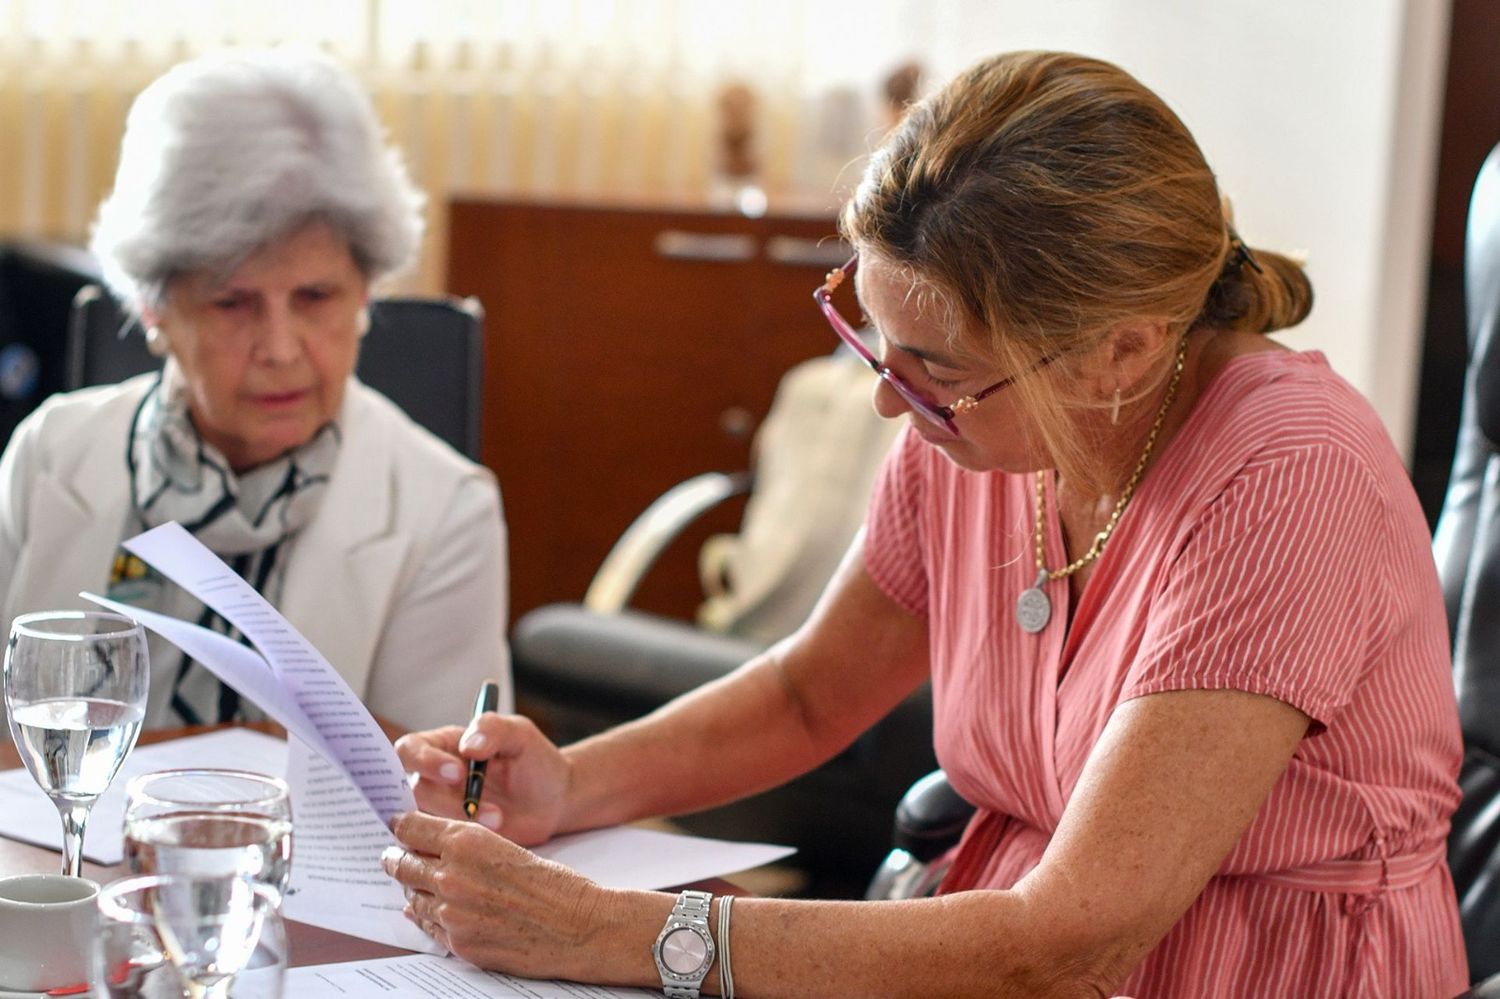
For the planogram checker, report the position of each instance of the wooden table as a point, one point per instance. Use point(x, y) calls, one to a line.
point(309, 944)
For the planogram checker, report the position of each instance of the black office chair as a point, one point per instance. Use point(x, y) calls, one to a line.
point(38, 280)
point(929, 821)
point(425, 354)
point(1467, 548)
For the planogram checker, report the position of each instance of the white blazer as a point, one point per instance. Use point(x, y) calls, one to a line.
point(400, 580)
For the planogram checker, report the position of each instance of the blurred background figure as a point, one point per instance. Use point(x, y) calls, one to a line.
point(255, 205)
point(901, 88)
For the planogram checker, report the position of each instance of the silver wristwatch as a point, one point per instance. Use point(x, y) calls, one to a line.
point(684, 950)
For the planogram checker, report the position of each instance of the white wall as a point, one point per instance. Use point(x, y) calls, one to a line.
point(1320, 118)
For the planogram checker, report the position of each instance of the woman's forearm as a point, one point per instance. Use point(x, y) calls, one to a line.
point(736, 736)
point(1168, 790)
point(781, 714)
point(970, 944)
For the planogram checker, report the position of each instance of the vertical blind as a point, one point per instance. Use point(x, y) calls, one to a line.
point(572, 99)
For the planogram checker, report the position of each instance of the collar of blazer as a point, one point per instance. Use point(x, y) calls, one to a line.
point(343, 569)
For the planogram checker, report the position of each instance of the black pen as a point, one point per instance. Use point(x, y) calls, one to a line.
point(488, 700)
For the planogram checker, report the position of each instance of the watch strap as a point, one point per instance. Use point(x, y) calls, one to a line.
point(693, 905)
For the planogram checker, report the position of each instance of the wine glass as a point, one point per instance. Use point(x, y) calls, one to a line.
point(167, 936)
point(210, 822)
point(75, 690)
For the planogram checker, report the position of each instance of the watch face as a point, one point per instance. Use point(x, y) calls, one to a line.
point(683, 951)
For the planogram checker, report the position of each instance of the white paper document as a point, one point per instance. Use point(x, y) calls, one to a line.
point(349, 735)
point(345, 778)
point(27, 814)
point(626, 857)
point(337, 840)
point(419, 977)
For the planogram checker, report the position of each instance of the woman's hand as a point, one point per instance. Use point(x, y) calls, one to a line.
point(526, 777)
point(495, 904)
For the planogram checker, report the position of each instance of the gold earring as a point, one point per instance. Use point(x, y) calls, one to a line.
point(1114, 410)
point(156, 343)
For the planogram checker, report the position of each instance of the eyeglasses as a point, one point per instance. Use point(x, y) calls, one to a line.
point(941, 416)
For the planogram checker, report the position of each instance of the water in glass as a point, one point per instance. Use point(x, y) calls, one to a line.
point(211, 843)
point(74, 745)
point(210, 822)
point(75, 693)
point(169, 936)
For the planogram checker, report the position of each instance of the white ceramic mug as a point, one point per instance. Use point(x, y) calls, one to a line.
point(47, 922)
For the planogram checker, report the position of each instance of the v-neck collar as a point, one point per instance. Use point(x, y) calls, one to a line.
point(1073, 617)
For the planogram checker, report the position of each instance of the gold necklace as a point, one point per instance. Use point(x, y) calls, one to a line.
point(1033, 608)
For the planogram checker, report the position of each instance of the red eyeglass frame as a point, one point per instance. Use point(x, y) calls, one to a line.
point(941, 416)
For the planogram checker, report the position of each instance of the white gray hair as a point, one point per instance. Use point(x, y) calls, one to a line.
point(226, 153)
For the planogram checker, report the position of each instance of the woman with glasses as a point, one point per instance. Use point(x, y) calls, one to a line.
point(1167, 577)
point(255, 205)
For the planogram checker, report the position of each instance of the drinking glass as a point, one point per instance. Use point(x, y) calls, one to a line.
point(168, 936)
point(210, 822)
point(75, 690)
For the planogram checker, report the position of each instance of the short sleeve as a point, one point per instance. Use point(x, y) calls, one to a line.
point(893, 547)
point(1276, 589)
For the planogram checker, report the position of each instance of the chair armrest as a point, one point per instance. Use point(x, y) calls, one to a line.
point(1487, 989)
point(625, 664)
point(931, 817)
point(651, 532)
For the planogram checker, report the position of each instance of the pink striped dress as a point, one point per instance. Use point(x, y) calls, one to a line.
point(1274, 547)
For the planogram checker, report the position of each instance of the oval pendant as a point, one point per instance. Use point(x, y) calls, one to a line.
point(1033, 609)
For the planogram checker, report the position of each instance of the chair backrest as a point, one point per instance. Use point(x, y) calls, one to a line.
point(1467, 548)
point(37, 283)
point(425, 354)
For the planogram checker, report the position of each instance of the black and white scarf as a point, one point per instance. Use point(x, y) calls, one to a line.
point(247, 519)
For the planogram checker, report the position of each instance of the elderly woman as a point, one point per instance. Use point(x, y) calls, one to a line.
point(1168, 579)
point(255, 206)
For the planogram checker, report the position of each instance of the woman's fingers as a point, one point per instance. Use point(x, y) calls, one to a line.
point(491, 735)
point(488, 900)
point(437, 773)
point(433, 755)
point(415, 872)
point(418, 909)
point(424, 833)
point(442, 754)
point(489, 816)
point(525, 780)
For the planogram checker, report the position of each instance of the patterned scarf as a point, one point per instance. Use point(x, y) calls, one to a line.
point(246, 519)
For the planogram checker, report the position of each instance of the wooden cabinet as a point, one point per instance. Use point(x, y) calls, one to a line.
point(626, 350)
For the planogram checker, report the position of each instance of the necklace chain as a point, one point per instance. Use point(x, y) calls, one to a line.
point(1125, 494)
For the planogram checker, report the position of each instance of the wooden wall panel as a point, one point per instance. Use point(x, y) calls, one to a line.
point(614, 371)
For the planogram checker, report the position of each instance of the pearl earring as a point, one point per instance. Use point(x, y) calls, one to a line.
point(362, 322)
point(156, 343)
point(1114, 409)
